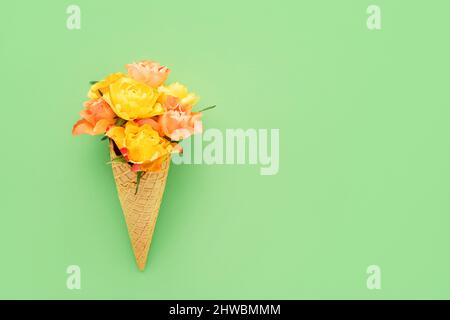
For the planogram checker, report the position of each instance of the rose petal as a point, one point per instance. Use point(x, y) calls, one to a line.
point(82, 127)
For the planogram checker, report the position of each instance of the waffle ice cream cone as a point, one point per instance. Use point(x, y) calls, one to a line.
point(140, 210)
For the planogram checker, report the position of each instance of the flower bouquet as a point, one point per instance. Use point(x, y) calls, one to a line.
point(144, 120)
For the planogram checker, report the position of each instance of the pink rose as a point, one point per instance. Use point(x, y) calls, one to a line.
point(148, 72)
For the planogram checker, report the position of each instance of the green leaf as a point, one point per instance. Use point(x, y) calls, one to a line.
point(138, 180)
point(93, 82)
point(120, 122)
point(207, 108)
point(104, 138)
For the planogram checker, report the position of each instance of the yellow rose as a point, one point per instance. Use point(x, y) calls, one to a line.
point(139, 144)
point(102, 87)
point(179, 91)
point(131, 99)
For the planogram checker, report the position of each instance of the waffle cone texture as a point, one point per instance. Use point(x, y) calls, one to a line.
point(141, 209)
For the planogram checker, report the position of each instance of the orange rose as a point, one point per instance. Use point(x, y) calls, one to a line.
point(178, 125)
point(177, 122)
point(96, 118)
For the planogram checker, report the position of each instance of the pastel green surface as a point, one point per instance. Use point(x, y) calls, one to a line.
point(364, 166)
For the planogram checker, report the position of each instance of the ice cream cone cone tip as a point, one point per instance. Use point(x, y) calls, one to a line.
point(141, 266)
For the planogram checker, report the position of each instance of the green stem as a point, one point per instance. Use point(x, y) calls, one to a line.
point(207, 108)
point(138, 180)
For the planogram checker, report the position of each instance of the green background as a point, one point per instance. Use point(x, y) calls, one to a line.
point(364, 153)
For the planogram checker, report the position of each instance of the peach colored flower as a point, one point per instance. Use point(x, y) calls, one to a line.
point(148, 72)
point(96, 118)
point(178, 124)
point(178, 121)
point(175, 123)
point(150, 121)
